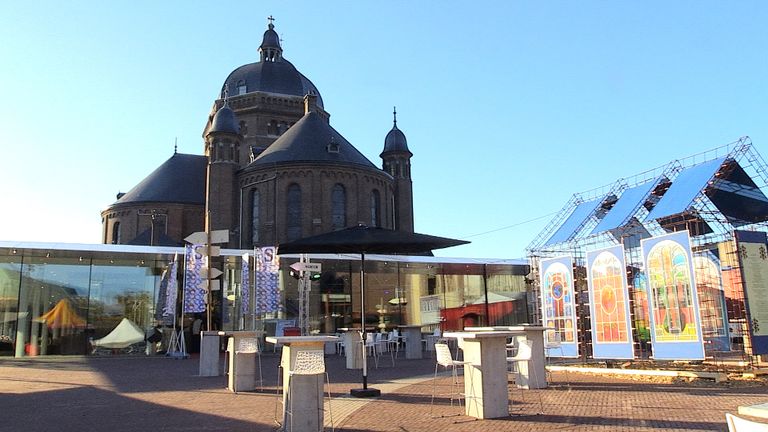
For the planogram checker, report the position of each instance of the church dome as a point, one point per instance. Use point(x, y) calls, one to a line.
point(395, 140)
point(272, 74)
point(225, 121)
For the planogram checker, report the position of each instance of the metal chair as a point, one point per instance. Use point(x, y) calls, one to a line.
point(445, 359)
point(309, 362)
point(372, 348)
point(382, 344)
point(738, 424)
point(524, 354)
point(553, 342)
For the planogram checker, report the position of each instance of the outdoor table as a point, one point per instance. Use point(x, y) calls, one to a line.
point(307, 390)
point(412, 335)
point(241, 366)
point(486, 353)
point(535, 334)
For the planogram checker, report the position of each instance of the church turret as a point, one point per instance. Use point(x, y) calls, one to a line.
point(270, 49)
point(396, 159)
point(222, 147)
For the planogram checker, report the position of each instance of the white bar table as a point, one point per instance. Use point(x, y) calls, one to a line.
point(412, 340)
point(485, 383)
point(538, 362)
point(241, 367)
point(307, 390)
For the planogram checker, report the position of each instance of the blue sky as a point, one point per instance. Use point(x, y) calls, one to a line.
point(509, 107)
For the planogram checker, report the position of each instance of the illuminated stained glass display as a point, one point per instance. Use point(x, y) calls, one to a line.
point(675, 324)
point(558, 303)
point(711, 301)
point(609, 305)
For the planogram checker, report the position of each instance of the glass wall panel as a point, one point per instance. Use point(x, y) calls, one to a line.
point(10, 278)
point(464, 287)
point(53, 305)
point(122, 290)
point(507, 299)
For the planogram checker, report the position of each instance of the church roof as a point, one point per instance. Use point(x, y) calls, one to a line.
point(272, 77)
point(312, 139)
point(395, 140)
point(225, 121)
point(180, 179)
point(273, 74)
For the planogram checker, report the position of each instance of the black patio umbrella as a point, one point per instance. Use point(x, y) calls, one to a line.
point(363, 240)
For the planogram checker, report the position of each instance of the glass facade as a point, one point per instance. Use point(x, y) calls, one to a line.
point(68, 300)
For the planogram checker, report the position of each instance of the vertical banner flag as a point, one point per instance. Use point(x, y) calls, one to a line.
point(558, 307)
point(609, 304)
point(714, 316)
point(194, 287)
point(753, 260)
point(673, 298)
point(168, 294)
point(162, 291)
point(245, 284)
point(267, 294)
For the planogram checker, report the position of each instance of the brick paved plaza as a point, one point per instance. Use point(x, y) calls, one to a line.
point(161, 394)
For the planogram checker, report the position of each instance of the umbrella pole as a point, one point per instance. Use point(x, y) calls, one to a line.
point(365, 391)
point(362, 320)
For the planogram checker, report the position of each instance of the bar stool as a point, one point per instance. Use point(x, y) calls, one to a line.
point(444, 359)
point(524, 354)
point(309, 362)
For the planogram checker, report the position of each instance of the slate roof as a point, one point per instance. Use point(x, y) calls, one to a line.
point(308, 141)
point(395, 141)
point(272, 77)
point(225, 121)
point(180, 179)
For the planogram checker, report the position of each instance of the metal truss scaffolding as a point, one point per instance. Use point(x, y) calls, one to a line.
point(711, 194)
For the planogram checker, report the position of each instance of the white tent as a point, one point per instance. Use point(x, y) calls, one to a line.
point(125, 334)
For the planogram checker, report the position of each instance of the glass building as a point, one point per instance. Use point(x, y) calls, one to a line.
point(62, 299)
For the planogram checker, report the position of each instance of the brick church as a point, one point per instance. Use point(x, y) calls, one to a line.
point(274, 170)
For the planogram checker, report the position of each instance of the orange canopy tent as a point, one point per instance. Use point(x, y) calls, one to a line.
point(62, 316)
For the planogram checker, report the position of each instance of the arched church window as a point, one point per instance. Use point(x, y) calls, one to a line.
point(255, 216)
point(116, 233)
point(293, 212)
point(375, 209)
point(241, 88)
point(338, 207)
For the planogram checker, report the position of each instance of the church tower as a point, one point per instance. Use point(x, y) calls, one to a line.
point(397, 162)
point(222, 147)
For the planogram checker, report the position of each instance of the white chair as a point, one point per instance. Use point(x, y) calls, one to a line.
point(524, 354)
point(309, 362)
point(431, 340)
point(553, 342)
point(372, 348)
point(394, 341)
point(444, 359)
point(738, 424)
point(340, 344)
point(382, 344)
